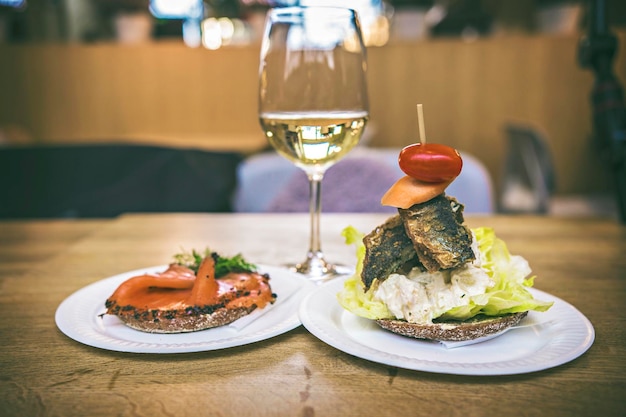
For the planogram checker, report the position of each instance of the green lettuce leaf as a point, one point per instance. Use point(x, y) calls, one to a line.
point(223, 264)
point(509, 294)
point(353, 297)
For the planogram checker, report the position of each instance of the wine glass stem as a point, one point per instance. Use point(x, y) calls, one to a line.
point(315, 266)
point(315, 208)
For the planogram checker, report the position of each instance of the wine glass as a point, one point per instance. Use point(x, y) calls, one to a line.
point(313, 103)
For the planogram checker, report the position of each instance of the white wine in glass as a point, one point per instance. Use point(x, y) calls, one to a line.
point(313, 104)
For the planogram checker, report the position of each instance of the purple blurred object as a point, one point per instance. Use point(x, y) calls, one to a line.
point(351, 185)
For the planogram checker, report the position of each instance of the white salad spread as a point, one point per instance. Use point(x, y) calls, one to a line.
point(495, 283)
point(420, 297)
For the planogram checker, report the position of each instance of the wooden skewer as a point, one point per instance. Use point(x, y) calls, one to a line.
point(420, 124)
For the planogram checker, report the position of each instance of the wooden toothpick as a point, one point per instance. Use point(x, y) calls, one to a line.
point(420, 124)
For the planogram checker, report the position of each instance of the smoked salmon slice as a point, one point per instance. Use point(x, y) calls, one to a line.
point(178, 299)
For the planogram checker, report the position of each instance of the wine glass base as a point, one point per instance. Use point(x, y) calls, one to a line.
point(317, 269)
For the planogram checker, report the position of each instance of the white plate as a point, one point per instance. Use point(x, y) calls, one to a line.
point(520, 351)
point(80, 317)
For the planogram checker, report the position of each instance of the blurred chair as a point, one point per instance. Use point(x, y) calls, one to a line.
point(528, 180)
point(108, 180)
point(268, 182)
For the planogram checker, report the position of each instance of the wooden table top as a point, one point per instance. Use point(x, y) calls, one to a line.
point(43, 372)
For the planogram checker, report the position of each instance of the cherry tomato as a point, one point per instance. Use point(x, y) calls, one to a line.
point(430, 162)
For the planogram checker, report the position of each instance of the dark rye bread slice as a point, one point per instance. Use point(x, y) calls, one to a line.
point(453, 331)
point(183, 321)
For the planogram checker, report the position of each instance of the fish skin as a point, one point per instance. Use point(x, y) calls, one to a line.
point(387, 249)
point(439, 237)
point(429, 235)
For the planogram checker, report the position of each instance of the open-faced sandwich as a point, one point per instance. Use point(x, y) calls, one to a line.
point(198, 291)
point(424, 273)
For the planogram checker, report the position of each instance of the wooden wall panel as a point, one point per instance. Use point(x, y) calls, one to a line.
point(167, 93)
point(471, 90)
point(164, 93)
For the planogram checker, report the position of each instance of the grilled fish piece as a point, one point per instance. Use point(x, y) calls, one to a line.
point(439, 236)
point(387, 249)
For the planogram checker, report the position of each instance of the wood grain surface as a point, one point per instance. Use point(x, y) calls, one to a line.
point(45, 373)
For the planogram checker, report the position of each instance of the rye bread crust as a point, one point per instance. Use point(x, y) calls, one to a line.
point(187, 322)
point(453, 331)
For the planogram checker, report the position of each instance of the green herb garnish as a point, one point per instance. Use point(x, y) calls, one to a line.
point(223, 265)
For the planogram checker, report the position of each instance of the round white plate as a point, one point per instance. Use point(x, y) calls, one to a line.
point(518, 351)
point(80, 317)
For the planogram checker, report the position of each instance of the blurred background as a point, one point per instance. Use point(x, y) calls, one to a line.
point(182, 74)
